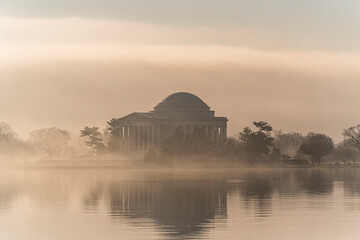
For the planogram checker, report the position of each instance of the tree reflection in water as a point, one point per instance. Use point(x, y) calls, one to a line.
point(180, 204)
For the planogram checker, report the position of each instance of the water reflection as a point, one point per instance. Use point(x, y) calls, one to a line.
point(178, 203)
point(92, 199)
point(8, 193)
point(178, 207)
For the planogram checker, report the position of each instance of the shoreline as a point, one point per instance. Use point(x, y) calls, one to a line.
point(144, 167)
point(141, 164)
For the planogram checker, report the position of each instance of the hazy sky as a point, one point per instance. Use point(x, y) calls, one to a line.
point(295, 64)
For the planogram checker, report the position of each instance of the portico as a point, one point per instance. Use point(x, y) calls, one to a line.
point(185, 111)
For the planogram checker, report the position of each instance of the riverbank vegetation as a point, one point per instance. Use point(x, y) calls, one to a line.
point(255, 145)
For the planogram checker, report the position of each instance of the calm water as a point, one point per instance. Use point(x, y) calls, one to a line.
point(179, 204)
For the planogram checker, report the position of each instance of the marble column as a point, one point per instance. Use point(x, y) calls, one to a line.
point(148, 142)
point(143, 137)
point(217, 134)
point(153, 135)
point(126, 138)
point(134, 142)
point(212, 133)
point(130, 138)
point(158, 136)
point(138, 137)
point(120, 138)
point(222, 133)
point(133, 138)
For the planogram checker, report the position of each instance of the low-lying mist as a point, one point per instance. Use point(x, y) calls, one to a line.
point(256, 146)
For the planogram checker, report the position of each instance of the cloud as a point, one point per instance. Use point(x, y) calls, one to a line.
point(86, 30)
point(73, 72)
point(75, 30)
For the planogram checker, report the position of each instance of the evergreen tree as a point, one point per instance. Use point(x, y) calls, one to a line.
point(257, 143)
point(93, 138)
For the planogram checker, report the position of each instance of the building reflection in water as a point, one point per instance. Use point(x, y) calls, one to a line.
point(183, 204)
point(181, 208)
point(187, 207)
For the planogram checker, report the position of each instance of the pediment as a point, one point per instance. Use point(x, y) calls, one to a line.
point(135, 117)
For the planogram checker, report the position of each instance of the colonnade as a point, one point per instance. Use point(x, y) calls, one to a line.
point(143, 137)
point(134, 138)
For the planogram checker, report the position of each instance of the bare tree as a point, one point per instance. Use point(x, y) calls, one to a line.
point(353, 134)
point(288, 143)
point(9, 143)
point(346, 152)
point(7, 134)
point(53, 141)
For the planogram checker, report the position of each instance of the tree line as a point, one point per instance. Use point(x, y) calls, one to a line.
point(258, 143)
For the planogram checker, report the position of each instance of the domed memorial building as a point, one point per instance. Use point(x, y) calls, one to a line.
point(185, 111)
